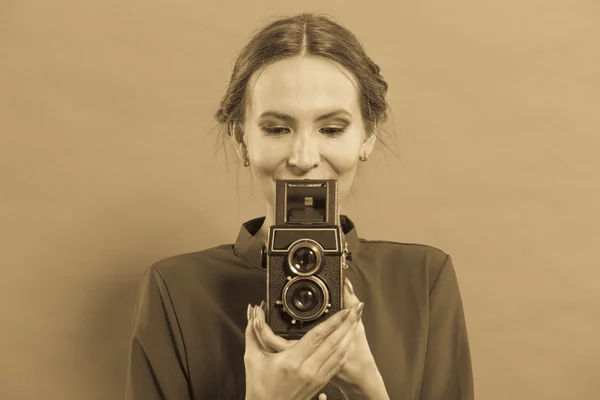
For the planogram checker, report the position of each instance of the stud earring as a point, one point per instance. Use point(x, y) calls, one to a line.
point(364, 157)
point(246, 162)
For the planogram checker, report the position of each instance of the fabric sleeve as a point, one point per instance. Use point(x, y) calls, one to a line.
point(447, 373)
point(157, 360)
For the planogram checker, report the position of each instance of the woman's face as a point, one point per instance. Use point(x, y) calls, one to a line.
point(303, 121)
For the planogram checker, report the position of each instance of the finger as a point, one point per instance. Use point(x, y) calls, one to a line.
point(261, 329)
point(313, 338)
point(322, 396)
point(350, 298)
point(268, 338)
point(337, 360)
point(331, 352)
point(252, 343)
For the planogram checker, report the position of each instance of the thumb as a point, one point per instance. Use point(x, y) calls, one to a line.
point(350, 298)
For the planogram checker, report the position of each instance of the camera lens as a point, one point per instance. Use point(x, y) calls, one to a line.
point(304, 298)
point(304, 259)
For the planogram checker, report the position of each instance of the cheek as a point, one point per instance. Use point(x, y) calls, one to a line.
point(344, 160)
point(265, 159)
point(343, 156)
point(345, 182)
point(265, 156)
point(343, 163)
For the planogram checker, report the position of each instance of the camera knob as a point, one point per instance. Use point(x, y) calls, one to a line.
point(280, 303)
point(263, 256)
point(347, 253)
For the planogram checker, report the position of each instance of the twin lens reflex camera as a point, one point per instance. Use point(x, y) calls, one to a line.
point(304, 257)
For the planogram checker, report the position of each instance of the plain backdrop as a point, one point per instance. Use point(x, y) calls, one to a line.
point(109, 161)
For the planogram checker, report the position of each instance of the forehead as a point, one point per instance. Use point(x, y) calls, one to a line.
point(303, 84)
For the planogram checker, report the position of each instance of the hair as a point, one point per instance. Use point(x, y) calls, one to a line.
point(306, 34)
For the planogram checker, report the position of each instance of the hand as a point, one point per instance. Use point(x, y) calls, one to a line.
point(298, 372)
point(359, 369)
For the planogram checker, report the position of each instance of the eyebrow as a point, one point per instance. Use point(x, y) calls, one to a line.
point(286, 117)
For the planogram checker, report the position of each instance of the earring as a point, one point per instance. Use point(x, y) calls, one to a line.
point(364, 157)
point(246, 162)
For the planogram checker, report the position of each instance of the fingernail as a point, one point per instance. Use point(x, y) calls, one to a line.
point(346, 314)
point(255, 312)
point(248, 312)
point(359, 309)
point(255, 321)
point(350, 288)
point(262, 305)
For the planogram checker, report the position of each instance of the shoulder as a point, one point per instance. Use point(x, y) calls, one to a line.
point(404, 249)
point(198, 266)
point(415, 259)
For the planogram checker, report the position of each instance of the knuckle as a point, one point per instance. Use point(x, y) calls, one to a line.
point(336, 341)
point(337, 356)
point(344, 356)
point(316, 343)
point(307, 373)
point(288, 366)
point(317, 337)
point(342, 351)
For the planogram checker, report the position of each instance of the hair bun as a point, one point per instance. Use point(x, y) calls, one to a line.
point(374, 67)
point(221, 116)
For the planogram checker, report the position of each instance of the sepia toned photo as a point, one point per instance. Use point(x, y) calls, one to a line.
point(300, 201)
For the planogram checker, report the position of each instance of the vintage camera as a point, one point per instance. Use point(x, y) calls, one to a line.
point(304, 256)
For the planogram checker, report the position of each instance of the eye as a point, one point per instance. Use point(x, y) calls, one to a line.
point(280, 130)
point(331, 131)
point(276, 131)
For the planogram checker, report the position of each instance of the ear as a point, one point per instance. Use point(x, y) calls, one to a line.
point(368, 144)
point(240, 147)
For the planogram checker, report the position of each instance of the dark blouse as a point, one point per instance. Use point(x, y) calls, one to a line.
point(190, 317)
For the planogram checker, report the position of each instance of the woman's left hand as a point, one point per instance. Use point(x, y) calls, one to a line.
point(359, 365)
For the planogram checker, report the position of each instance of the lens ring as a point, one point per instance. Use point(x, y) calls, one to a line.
point(291, 310)
point(314, 247)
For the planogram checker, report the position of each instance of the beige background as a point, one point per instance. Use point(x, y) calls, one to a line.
point(108, 163)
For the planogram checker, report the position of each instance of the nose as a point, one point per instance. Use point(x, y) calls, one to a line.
point(305, 153)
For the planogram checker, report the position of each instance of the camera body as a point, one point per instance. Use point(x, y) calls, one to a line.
point(304, 257)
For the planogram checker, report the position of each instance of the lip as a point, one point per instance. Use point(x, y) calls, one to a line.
point(308, 176)
point(314, 178)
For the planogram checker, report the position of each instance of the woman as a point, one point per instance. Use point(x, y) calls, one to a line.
point(304, 101)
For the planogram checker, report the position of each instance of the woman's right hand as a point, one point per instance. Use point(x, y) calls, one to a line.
point(301, 371)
